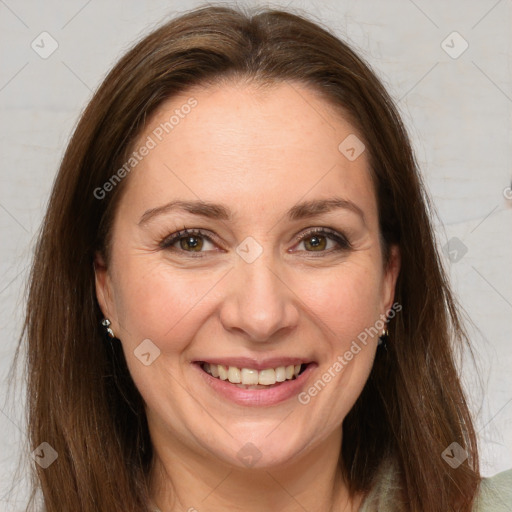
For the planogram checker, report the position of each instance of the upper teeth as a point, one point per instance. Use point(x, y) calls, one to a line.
point(250, 376)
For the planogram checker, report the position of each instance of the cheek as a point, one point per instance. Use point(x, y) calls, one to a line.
point(153, 300)
point(157, 302)
point(346, 299)
point(345, 305)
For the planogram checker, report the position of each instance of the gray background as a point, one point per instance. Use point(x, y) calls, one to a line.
point(457, 109)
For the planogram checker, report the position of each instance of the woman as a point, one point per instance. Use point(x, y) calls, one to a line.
point(186, 348)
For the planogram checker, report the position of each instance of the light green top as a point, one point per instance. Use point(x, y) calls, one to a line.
point(495, 494)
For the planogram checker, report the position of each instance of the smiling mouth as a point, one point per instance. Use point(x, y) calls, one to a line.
point(249, 378)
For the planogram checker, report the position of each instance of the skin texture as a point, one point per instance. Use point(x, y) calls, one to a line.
point(258, 152)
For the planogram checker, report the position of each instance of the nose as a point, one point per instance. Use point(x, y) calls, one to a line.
point(260, 303)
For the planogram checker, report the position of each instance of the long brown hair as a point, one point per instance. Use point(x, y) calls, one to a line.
point(81, 398)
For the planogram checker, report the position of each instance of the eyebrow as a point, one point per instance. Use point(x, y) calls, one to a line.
point(211, 210)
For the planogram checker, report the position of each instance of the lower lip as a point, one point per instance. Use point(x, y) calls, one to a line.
point(257, 397)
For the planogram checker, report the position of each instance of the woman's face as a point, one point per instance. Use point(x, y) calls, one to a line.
point(247, 288)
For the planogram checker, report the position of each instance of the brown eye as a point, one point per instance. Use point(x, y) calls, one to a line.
point(190, 241)
point(194, 242)
point(317, 240)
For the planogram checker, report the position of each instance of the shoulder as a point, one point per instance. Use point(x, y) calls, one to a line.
point(495, 494)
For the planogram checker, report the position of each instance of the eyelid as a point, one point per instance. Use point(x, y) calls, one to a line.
point(177, 235)
point(338, 237)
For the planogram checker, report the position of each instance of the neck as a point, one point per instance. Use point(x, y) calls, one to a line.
point(183, 480)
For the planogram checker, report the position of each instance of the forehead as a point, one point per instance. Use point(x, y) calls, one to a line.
point(249, 147)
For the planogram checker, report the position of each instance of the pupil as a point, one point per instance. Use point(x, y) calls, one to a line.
point(316, 242)
point(190, 242)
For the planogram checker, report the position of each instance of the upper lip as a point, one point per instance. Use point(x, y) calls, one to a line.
point(256, 364)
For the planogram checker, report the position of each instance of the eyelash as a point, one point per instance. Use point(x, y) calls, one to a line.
point(341, 240)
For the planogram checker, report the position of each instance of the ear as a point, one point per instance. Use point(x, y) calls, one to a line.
point(391, 272)
point(104, 291)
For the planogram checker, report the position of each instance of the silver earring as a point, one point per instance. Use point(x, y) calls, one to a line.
point(106, 323)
